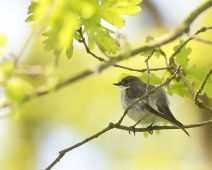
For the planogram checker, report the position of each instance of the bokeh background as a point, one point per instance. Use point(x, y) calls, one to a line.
point(32, 136)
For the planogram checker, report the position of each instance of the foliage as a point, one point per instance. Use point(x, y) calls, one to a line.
point(88, 14)
point(61, 22)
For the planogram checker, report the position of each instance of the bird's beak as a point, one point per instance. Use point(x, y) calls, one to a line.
point(117, 84)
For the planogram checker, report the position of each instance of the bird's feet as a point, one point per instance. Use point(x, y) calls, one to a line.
point(150, 129)
point(132, 128)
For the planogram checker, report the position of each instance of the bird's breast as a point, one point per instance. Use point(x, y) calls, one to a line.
point(138, 111)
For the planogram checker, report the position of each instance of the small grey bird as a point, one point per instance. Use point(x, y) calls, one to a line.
point(148, 111)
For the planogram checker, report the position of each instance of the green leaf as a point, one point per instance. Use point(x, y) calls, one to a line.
point(50, 43)
point(31, 10)
point(88, 14)
point(155, 80)
point(69, 51)
point(146, 134)
point(182, 57)
point(157, 52)
point(196, 76)
point(149, 38)
point(178, 88)
point(17, 90)
point(104, 41)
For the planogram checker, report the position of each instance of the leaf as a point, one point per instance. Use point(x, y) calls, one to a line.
point(147, 53)
point(196, 76)
point(69, 51)
point(178, 88)
point(146, 134)
point(17, 90)
point(155, 80)
point(51, 42)
point(182, 57)
point(104, 41)
point(149, 38)
point(88, 14)
point(31, 10)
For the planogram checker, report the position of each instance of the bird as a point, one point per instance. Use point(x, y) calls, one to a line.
point(149, 111)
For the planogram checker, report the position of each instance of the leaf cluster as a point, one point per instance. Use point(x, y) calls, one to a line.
point(60, 21)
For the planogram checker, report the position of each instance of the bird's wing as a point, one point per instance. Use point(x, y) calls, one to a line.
point(165, 113)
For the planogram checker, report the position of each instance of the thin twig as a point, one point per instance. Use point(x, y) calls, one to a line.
point(202, 85)
point(82, 40)
point(144, 70)
point(164, 55)
point(64, 151)
point(203, 29)
point(197, 101)
point(172, 62)
point(203, 40)
point(122, 127)
point(200, 39)
point(148, 71)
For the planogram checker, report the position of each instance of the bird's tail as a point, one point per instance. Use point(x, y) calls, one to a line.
point(181, 126)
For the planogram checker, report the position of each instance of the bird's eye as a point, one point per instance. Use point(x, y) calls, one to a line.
point(125, 81)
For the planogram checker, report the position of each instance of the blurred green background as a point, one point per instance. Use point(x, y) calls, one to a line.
point(32, 136)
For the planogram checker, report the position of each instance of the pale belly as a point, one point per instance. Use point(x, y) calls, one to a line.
point(146, 118)
point(138, 113)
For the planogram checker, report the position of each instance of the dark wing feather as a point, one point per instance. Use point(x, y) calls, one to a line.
point(166, 114)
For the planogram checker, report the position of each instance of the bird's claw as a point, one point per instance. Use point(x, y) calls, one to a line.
point(150, 129)
point(133, 128)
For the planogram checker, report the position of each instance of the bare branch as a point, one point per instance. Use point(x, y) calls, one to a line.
point(148, 71)
point(63, 152)
point(199, 39)
point(144, 70)
point(203, 40)
point(209, 122)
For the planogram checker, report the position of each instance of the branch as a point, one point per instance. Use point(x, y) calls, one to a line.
point(209, 122)
point(63, 152)
point(203, 29)
point(179, 30)
point(118, 126)
point(148, 71)
point(172, 62)
point(144, 70)
point(202, 40)
point(197, 101)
